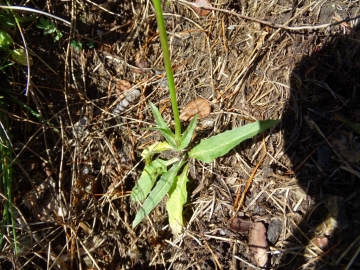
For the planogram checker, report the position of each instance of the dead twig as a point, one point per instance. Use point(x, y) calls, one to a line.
point(248, 183)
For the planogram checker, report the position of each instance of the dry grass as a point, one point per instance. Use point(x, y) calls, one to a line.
point(247, 69)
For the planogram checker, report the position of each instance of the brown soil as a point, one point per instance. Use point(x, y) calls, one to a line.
point(72, 187)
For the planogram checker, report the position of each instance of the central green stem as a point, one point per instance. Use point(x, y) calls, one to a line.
point(169, 73)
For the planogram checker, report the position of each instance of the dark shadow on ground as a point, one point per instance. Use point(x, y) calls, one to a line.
point(325, 95)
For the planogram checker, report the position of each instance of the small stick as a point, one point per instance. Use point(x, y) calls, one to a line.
point(248, 183)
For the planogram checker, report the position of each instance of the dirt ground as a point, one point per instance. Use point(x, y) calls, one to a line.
point(251, 60)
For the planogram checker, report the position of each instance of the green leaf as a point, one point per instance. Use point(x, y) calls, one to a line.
point(178, 198)
point(157, 147)
point(58, 35)
point(5, 40)
point(158, 117)
point(219, 145)
point(156, 195)
point(162, 126)
point(76, 44)
point(186, 137)
point(169, 136)
point(148, 177)
point(19, 56)
point(43, 23)
point(7, 21)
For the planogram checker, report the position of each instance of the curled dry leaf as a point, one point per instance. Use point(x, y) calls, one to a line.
point(240, 225)
point(258, 244)
point(201, 11)
point(198, 106)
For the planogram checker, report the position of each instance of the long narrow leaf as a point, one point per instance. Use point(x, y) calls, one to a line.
point(156, 195)
point(186, 137)
point(168, 135)
point(148, 177)
point(158, 117)
point(178, 198)
point(219, 145)
point(162, 126)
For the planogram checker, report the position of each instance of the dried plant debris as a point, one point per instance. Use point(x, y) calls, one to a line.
point(142, 65)
point(163, 82)
point(214, 54)
point(44, 200)
point(258, 244)
point(79, 131)
point(199, 106)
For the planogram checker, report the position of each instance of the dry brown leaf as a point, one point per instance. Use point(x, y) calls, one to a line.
point(202, 11)
point(258, 244)
point(198, 106)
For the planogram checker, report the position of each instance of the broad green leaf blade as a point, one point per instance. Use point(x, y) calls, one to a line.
point(148, 177)
point(209, 149)
point(156, 195)
point(19, 56)
point(5, 40)
point(178, 198)
point(186, 137)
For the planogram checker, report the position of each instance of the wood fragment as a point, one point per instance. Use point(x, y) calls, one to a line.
point(258, 244)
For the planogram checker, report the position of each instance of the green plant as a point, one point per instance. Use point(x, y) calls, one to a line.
point(173, 181)
point(5, 40)
point(49, 28)
point(6, 174)
point(76, 44)
point(90, 44)
point(18, 55)
point(9, 24)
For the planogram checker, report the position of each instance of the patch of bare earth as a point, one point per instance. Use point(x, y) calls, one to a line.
point(250, 60)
